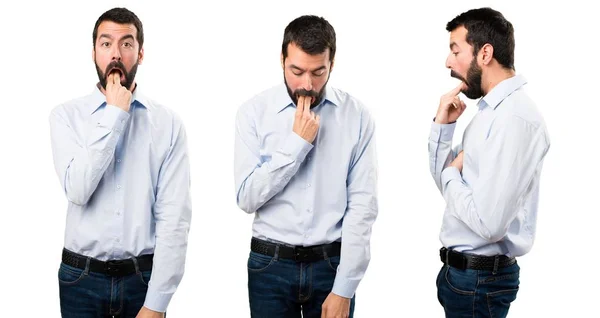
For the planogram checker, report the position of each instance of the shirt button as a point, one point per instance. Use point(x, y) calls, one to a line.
point(118, 240)
point(306, 236)
point(308, 210)
point(118, 212)
point(118, 160)
point(118, 186)
point(308, 185)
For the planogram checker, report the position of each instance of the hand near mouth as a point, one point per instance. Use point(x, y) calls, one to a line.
point(119, 72)
point(306, 123)
point(451, 107)
point(116, 94)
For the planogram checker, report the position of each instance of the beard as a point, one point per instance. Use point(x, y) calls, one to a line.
point(473, 80)
point(129, 77)
point(318, 96)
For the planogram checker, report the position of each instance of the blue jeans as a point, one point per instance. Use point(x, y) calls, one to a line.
point(477, 293)
point(283, 288)
point(85, 294)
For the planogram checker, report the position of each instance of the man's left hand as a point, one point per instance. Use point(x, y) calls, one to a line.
point(335, 307)
point(147, 313)
point(458, 162)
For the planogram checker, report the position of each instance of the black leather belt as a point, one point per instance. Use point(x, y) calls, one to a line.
point(297, 253)
point(469, 261)
point(112, 268)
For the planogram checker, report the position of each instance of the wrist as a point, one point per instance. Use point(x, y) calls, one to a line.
point(440, 120)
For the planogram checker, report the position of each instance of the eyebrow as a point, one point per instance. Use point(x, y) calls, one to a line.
point(303, 70)
point(108, 36)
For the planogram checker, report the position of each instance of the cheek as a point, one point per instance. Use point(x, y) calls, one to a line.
point(464, 64)
point(129, 60)
point(101, 65)
point(292, 81)
point(102, 60)
point(319, 82)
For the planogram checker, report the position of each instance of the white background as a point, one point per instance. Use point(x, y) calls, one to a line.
point(205, 61)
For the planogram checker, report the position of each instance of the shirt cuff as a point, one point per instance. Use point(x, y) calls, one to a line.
point(294, 148)
point(442, 132)
point(449, 174)
point(157, 301)
point(114, 118)
point(344, 287)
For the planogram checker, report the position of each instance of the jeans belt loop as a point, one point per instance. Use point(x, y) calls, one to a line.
point(276, 256)
point(496, 261)
point(135, 264)
point(86, 271)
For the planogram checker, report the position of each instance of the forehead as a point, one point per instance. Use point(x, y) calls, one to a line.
point(117, 30)
point(459, 36)
point(298, 57)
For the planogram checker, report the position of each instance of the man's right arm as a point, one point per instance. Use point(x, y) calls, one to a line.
point(80, 161)
point(442, 130)
point(441, 153)
point(259, 177)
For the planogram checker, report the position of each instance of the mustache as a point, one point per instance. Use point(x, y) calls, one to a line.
point(303, 92)
point(456, 75)
point(115, 65)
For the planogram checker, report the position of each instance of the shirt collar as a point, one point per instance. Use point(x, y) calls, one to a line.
point(282, 99)
point(501, 91)
point(99, 100)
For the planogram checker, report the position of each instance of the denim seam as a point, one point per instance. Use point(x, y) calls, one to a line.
point(499, 278)
point(456, 290)
point(300, 283)
point(112, 282)
point(138, 272)
point(261, 269)
point(498, 292)
point(310, 279)
point(141, 277)
point(475, 294)
point(122, 281)
point(330, 265)
point(82, 275)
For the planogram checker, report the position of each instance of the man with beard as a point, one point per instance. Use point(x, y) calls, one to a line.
point(122, 162)
point(490, 181)
point(305, 166)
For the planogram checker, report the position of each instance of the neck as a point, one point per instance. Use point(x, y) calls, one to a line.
point(494, 75)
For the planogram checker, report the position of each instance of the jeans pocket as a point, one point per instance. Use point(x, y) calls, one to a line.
point(499, 301)
point(145, 277)
point(259, 262)
point(461, 282)
point(333, 262)
point(68, 275)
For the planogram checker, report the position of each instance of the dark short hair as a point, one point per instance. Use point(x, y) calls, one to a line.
point(312, 34)
point(485, 25)
point(121, 16)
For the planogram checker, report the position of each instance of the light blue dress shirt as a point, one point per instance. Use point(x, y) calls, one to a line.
point(126, 177)
point(308, 194)
point(492, 206)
